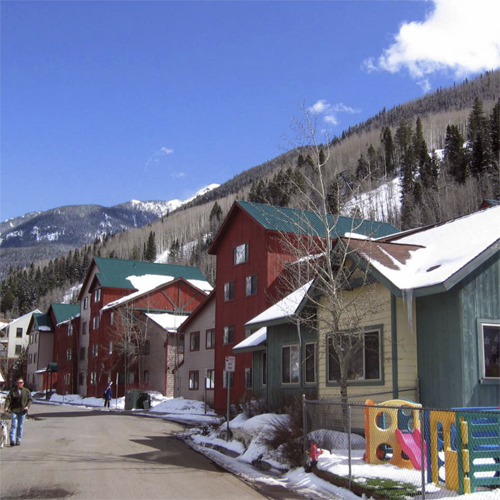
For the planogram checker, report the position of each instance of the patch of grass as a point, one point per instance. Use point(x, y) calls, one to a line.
point(388, 488)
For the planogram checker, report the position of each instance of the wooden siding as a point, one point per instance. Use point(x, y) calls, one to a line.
point(448, 351)
point(200, 360)
point(277, 393)
point(406, 361)
point(155, 362)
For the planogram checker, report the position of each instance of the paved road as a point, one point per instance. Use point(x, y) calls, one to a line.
point(94, 454)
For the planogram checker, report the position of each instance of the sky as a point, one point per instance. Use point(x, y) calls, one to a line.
point(112, 101)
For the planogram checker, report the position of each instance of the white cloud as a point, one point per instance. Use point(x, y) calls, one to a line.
point(329, 111)
point(154, 158)
point(462, 36)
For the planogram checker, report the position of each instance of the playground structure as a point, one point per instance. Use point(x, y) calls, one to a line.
point(460, 448)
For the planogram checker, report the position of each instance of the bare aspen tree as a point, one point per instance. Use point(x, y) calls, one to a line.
point(343, 297)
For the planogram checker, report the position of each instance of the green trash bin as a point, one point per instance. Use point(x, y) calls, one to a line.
point(144, 401)
point(132, 399)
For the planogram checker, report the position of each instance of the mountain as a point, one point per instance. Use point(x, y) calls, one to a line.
point(47, 234)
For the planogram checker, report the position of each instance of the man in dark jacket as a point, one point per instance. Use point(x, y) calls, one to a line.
point(18, 402)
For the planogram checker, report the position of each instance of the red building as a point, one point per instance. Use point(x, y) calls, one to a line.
point(252, 247)
point(112, 285)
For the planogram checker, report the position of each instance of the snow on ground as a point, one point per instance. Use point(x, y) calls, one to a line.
point(247, 446)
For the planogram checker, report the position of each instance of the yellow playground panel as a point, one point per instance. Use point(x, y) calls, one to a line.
point(381, 423)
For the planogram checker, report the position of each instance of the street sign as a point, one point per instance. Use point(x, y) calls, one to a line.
point(230, 363)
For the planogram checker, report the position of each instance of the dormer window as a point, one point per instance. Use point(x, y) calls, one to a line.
point(241, 254)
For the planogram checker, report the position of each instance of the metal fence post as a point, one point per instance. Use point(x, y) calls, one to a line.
point(349, 409)
point(422, 450)
point(304, 428)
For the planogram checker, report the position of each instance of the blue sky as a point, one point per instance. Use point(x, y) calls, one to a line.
point(105, 102)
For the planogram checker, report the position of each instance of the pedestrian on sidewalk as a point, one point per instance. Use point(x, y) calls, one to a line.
point(108, 394)
point(18, 402)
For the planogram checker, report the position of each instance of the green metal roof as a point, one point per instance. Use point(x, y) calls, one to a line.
point(43, 322)
point(292, 220)
point(63, 312)
point(113, 273)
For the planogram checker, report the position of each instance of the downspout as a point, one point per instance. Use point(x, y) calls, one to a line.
point(394, 342)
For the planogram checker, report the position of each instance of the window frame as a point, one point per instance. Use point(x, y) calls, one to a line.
point(240, 252)
point(95, 350)
point(228, 339)
point(248, 377)
point(224, 379)
point(314, 361)
point(251, 285)
point(194, 380)
point(296, 350)
point(210, 334)
point(69, 354)
point(484, 378)
point(210, 380)
point(19, 332)
point(229, 291)
point(194, 341)
point(97, 295)
point(363, 380)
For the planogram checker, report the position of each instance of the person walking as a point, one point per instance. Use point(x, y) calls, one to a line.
point(18, 402)
point(108, 394)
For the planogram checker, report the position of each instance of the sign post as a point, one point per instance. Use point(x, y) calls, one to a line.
point(230, 364)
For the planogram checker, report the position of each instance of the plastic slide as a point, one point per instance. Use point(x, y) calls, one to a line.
point(410, 444)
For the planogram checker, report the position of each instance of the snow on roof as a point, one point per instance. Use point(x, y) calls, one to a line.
point(284, 308)
point(148, 283)
point(431, 256)
point(253, 340)
point(168, 321)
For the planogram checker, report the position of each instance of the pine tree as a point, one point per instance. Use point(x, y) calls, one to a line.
point(479, 140)
point(150, 248)
point(455, 155)
point(388, 147)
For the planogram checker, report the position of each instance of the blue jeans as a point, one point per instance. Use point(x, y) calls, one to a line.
point(17, 424)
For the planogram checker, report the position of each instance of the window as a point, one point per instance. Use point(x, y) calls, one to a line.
point(225, 374)
point(248, 378)
point(70, 329)
point(32, 338)
point(210, 379)
point(67, 378)
point(97, 295)
point(95, 350)
point(95, 323)
point(147, 348)
point(228, 335)
point(82, 353)
point(93, 378)
point(193, 380)
point(229, 291)
point(69, 354)
point(365, 361)
point(34, 358)
point(310, 363)
point(180, 346)
point(264, 368)
point(81, 379)
point(110, 347)
point(30, 358)
point(19, 349)
point(86, 303)
point(84, 329)
point(290, 363)
point(210, 339)
point(19, 333)
point(36, 338)
point(490, 347)
point(194, 341)
point(241, 254)
point(112, 318)
point(251, 285)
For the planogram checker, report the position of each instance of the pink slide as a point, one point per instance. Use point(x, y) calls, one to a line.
point(410, 444)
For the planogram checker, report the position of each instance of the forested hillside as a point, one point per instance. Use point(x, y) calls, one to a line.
point(442, 149)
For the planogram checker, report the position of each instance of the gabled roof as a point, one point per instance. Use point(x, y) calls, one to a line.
point(42, 322)
point(64, 312)
point(432, 259)
point(168, 321)
point(114, 273)
point(303, 222)
point(198, 310)
point(283, 309)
